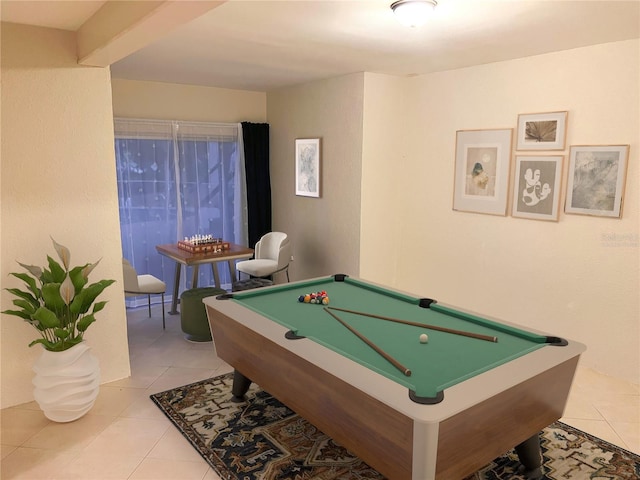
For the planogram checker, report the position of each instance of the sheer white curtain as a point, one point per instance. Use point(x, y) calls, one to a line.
point(178, 179)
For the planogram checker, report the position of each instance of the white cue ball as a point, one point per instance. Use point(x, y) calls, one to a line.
point(424, 338)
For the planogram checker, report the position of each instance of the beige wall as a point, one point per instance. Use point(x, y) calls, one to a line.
point(170, 101)
point(385, 150)
point(59, 180)
point(325, 231)
point(566, 277)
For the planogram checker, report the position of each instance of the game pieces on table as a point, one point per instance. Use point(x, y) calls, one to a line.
point(320, 298)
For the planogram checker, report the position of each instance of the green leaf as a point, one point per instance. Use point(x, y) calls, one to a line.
point(31, 283)
point(78, 277)
point(85, 298)
point(73, 341)
point(26, 307)
point(20, 313)
point(46, 343)
point(60, 333)
point(65, 344)
point(84, 322)
point(57, 272)
point(99, 306)
point(51, 296)
point(47, 318)
point(24, 295)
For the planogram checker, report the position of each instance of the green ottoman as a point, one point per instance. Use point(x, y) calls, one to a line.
point(193, 315)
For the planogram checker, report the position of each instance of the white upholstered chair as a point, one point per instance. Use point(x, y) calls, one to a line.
point(135, 285)
point(272, 255)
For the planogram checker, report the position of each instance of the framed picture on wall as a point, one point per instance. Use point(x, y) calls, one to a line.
point(596, 182)
point(542, 131)
point(483, 159)
point(307, 160)
point(536, 192)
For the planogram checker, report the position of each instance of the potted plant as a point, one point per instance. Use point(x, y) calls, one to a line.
point(58, 303)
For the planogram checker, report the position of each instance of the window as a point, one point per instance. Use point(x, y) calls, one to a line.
point(175, 180)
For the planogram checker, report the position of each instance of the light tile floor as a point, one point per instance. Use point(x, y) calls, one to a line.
point(125, 436)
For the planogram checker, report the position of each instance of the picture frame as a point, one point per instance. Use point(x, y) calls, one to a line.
point(482, 164)
point(542, 131)
point(307, 164)
point(537, 187)
point(596, 180)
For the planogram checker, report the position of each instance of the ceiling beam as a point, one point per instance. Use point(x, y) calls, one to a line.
point(120, 28)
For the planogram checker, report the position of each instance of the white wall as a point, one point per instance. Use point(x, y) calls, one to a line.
point(564, 277)
point(59, 180)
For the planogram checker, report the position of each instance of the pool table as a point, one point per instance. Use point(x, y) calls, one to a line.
point(356, 369)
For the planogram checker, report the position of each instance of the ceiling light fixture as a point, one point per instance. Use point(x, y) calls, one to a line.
point(413, 13)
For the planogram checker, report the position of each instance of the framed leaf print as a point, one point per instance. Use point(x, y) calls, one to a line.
point(542, 131)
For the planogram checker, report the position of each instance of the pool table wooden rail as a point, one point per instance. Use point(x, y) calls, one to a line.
point(471, 439)
point(332, 405)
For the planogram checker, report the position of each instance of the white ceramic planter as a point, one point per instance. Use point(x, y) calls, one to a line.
point(66, 383)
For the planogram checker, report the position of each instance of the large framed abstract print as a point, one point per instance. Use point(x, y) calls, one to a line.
point(596, 182)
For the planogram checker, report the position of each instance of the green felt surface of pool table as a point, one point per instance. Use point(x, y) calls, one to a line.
point(447, 359)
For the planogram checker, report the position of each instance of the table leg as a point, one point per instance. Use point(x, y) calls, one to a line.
point(176, 286)
point(194, 276)
point(530, 455)
point(232, 271)
point(216, 275)
point(240, 386)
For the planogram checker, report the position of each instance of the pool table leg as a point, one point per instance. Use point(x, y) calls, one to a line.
point(240, 386)
point(530, 455)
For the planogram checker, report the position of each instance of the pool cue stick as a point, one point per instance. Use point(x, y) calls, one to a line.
point(381, 352)
point(479, 336)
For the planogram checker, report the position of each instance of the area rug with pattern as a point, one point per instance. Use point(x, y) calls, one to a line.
point(261, 439)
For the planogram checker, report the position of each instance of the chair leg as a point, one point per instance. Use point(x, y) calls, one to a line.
point(163, 325)
point(149, 299)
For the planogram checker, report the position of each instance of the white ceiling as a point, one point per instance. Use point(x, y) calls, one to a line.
point(264, 44)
